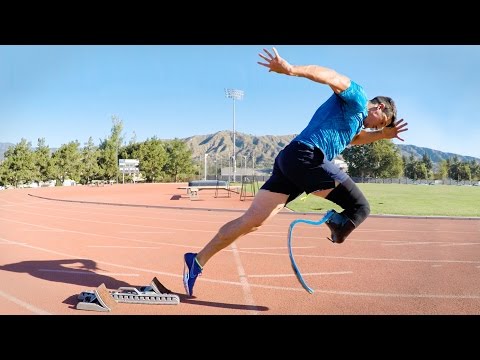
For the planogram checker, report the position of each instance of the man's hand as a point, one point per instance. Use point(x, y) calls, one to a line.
point(276, 63)
point(392, 132)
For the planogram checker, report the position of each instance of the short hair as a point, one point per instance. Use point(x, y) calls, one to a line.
point(390, 107)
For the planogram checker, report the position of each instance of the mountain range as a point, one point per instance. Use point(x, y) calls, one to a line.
point(264, 149)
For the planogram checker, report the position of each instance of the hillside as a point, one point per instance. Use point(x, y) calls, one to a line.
point(265, 148)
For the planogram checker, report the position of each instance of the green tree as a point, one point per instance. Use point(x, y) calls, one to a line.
point(387, 160)
point(153, 157)
point(110, 149)
point(454, 168)
point(379, 159)
point(428, 165)
point(68, 161)
point(464, 172)
point(3, 173)
point(19, 164)
point(442, 170)
point(474, 169)
point(179, 159)
point(43, 162)
point(358, 160)
point(90, 169)
point(410, 167)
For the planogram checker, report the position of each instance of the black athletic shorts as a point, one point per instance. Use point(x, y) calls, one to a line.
point(301, 168)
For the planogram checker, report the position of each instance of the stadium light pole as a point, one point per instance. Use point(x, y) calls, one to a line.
point(234, 94)
point(206, 155)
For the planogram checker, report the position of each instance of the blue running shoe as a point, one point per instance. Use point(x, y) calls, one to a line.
point(190, 275)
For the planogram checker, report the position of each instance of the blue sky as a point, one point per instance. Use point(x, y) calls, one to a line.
point(66, 93)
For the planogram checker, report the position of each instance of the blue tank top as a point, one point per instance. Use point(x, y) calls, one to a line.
point(336, 121)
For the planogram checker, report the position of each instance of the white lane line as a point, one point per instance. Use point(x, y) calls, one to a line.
point(368, 258)
point(247, 292)
point(179, 219)
point(460, 244)
point(141, 247)
point(83, 272)
point(24, 304)
point(146, 232)
point(400, 243)
point(77, 220)
point(372, 294)
point(257, 234)
point(278, 248)
point(94, 234)
point(413, 231)
point(440, 243)
point(303, 274)
point(225, 282)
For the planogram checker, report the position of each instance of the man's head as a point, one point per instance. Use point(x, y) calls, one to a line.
point(382, 112)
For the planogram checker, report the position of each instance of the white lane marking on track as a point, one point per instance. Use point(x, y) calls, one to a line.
point(76, 221)
point(373, 294)
point(460, 244)
point(303, 274)
point(83, 272)
point(141, 247)
point(440, 243)
point(247, 292)
point(146, 232)
point(46, 230)
point(93, 234)
point(183, 211)
point(257, 234)
point(412, 231)
point(216, 281)
point(368, 258)
point(23, 304)
point(278, 247)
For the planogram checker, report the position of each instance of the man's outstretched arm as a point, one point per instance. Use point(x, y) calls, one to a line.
point(367, 137)
point(320, 74)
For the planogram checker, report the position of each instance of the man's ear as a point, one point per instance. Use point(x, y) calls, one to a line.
point(381, 106)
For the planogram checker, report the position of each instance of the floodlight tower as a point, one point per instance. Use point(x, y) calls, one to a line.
point(234, 95)
point(205, 168)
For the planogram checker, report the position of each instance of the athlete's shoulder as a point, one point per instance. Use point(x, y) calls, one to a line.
point(354, 93)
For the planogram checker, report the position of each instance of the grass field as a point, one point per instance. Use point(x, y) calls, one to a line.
point(401, 199)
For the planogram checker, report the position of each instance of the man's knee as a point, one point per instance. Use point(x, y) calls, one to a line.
point(351, 199)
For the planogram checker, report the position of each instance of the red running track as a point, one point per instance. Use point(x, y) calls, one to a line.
point(51, 250)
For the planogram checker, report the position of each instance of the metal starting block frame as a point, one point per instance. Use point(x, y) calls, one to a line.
point(101, 299)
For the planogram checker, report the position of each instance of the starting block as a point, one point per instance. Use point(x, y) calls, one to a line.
point(101, 299)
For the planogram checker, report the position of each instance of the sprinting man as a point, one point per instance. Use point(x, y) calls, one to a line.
point(305, 165)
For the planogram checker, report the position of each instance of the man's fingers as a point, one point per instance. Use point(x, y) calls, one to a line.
point(276, 52)
point(266, 65)
point(399, 138)
point(271, 56)
point(264, 57)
